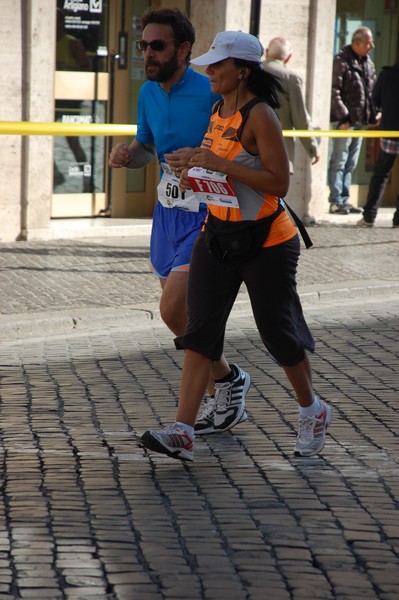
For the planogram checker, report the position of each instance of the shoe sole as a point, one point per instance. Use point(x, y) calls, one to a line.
point(339, 211)
point(323, 440)
point(211, 429)
point(239, 416)
point(153, 444)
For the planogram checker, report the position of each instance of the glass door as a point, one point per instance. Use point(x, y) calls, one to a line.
point(132, 192)
point(81, 96)
point(382, 18)
point(98, 78)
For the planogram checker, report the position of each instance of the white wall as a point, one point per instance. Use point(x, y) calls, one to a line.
point(39, 106)
point(309, 25)
point(10, 110)
point(211, 16)
point(27, 34)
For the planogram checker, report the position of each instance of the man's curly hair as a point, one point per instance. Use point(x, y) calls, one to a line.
point(182, 27)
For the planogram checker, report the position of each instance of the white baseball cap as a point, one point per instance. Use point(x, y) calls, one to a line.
point(232, 44)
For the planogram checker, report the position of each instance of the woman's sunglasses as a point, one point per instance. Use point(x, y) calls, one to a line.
point(156, 45)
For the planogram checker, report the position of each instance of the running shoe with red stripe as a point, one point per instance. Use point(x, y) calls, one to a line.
point(312, 432)
point(173, 441)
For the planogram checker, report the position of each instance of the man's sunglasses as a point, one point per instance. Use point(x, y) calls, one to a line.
point(156, 45)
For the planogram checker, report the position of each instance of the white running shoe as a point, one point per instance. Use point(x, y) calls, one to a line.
point(363, 223)
point(312, 432)
point(173, 441)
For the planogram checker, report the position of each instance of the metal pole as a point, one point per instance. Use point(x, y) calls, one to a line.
point(114, 57)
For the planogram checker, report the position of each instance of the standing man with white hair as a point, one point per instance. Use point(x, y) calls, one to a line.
point(292, 112)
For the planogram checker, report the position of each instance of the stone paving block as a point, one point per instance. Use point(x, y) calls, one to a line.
point(87, 593)
point(52, 594)
point(306, 590)
point(128, 592)
point(383, 577)
point(83, 580)
point(389, 591)
point(129, 577)
point(40, 581)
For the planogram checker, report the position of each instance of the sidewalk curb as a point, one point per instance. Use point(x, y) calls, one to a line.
point(47, 324)
point(349, 293)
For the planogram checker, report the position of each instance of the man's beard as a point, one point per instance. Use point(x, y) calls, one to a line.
point(165, 71)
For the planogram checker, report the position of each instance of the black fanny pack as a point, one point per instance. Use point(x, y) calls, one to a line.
point(237, 240)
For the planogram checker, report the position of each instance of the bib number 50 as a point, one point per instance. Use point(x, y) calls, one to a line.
point(172, 190)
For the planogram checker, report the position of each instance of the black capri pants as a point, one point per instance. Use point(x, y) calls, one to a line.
point(270, 278)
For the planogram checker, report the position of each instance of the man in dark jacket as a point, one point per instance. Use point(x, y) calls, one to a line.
point(351, 108)
point(386, 99)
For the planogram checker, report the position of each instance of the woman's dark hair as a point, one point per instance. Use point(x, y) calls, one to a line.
point(261, 83)
point(183, 29)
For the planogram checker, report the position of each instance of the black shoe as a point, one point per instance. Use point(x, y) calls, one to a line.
point(338, 209)
point(352, 209)
point(230, 401)
point(204, 422)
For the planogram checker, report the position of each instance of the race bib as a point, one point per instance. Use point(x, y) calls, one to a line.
point(169, 194)
point(212, 187)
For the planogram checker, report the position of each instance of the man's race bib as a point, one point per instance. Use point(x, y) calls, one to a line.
point(169, 194)
point(212, 187)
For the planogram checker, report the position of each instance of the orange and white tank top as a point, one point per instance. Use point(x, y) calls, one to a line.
point(223, 138)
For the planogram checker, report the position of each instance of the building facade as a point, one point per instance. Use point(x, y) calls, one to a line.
point(44, 178)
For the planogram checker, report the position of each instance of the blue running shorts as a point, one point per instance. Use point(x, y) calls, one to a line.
point(173, 234)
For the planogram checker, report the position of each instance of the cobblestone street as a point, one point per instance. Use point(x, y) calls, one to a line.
point(86, 513)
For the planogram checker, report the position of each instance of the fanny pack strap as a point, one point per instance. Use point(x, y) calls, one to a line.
point(302, 229)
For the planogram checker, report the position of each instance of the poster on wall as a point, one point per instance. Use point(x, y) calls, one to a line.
point(86, 22)
point(79, 160)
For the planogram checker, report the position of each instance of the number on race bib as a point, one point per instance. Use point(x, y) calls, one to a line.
point(212, 187)
point(172, 190)
point(169, 193)
point(216, 187)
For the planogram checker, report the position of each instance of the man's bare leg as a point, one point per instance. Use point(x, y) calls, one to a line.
point(195, 375)
point(173, 308)
point(173, 303)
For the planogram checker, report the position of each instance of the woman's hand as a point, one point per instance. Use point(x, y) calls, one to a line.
point(179, 159)
point(206, 159)
point(201, 157)
point(184, 183)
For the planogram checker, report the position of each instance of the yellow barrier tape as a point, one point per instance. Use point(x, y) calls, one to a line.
point(65, 129)
point(341, 133)
point(108, 129)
